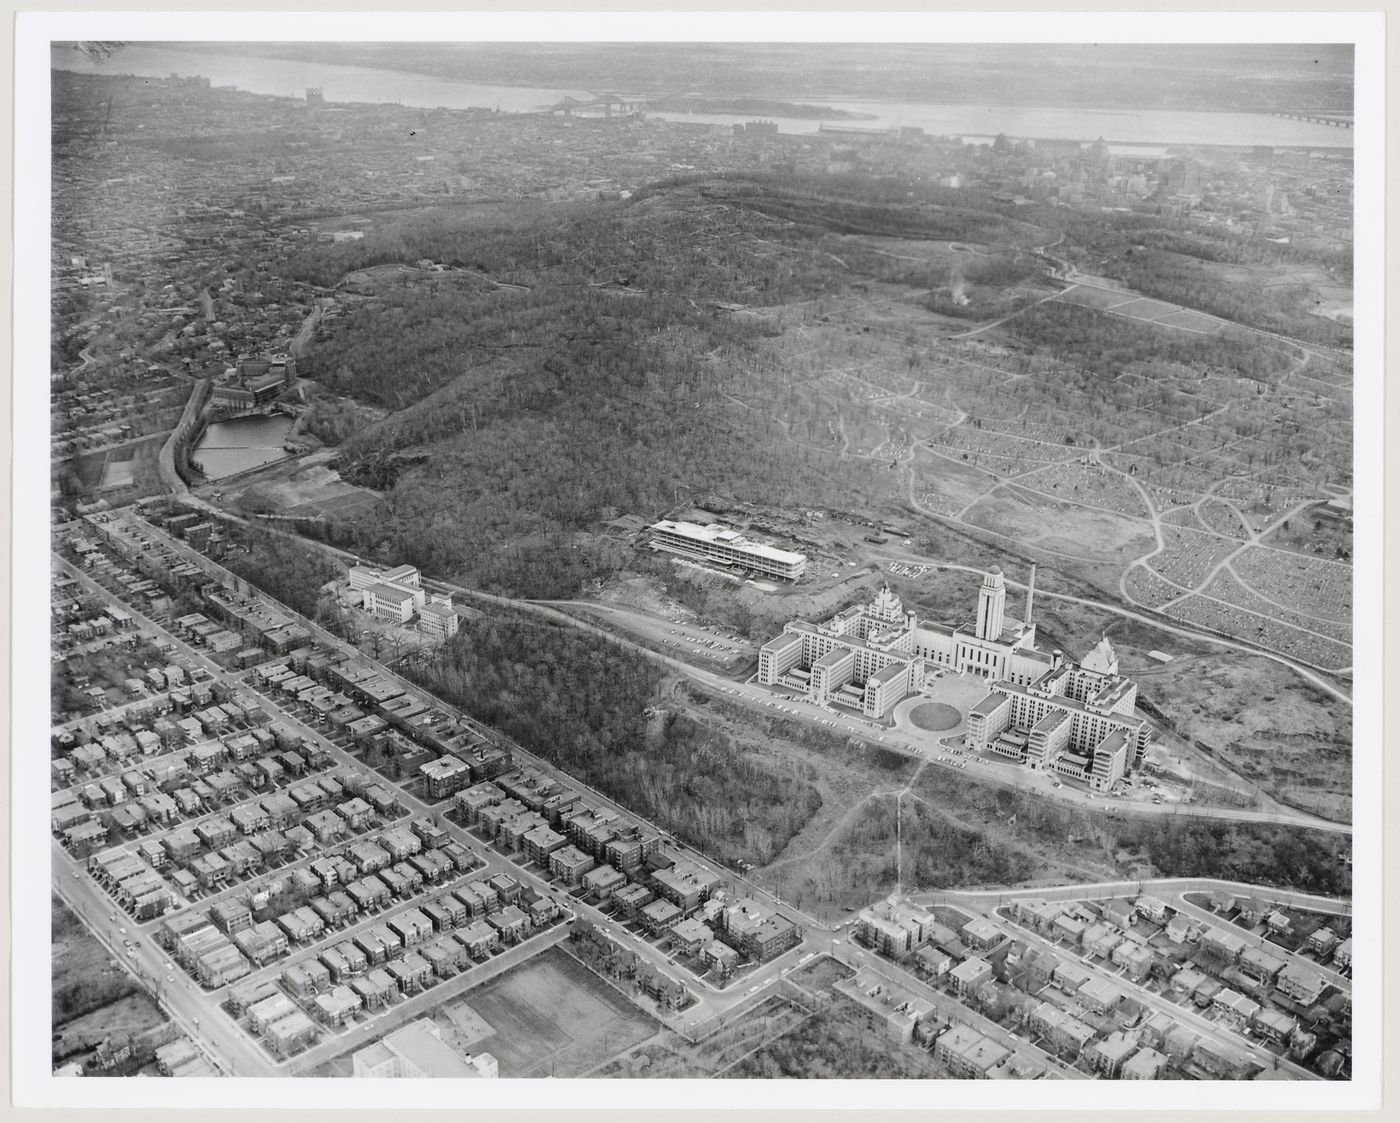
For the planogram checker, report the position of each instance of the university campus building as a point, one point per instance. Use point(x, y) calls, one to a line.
point(719, 544)
point(1041, 710)
point(392, 595)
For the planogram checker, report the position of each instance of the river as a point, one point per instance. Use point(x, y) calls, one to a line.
point(1122, 127)
point(230, 447)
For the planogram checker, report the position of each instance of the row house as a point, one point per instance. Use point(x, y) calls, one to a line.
point(462, 858)
point(401, 843)
point(263, 942)
point(605, 881)
point(344, 961)
point(356, 813)
point(432, 865)
point(1064, 1032)
point(479, 898)
point(399, 886)
point(326, 826)
point(429, 833)
point(479, 938)
point(270, 1009)
point(510, 922)
point(1300, 984)
point(514, 832)
point(302, 924)
point(378, 945)
point(337, 1006)
point(631, 899)
point(445, 956)
point(412, 973)
point(305, 978)
point(689, 936)
point(1322, 941)
point(1145, 1064)
point(895, 927)
point(659, 916)
point(1134, 958)
point(440, 917)
point(249, 818)
point(231, 916)
point(569, 864)
point(412, 927)
point(246, 995)
point(1234, 1009)
point(631, 846)
point(1223, 945)
point(327, 871)
point(757, 931)
point(685, 884)
point(282, 811)
point(376, 988)
point(541, 842)
point(1099, 940)
point(1260, 965)
point(368, 893)
point(720, 958)
point(369, 857)
point(493, 817)
point(470, 803)
point(1273, 1025)
point(967, 1054)
point(1108, 1056)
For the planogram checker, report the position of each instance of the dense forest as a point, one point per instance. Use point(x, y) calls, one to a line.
point(1104, 344)
point(1173, 261)
point(592, 708)
point(284, 568)
point(521, 414)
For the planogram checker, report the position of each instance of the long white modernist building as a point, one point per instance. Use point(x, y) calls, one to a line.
point(715, 543)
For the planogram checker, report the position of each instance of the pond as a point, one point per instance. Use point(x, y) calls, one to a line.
point(230, 447)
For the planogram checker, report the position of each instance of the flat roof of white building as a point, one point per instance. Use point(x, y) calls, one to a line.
point(715, 534)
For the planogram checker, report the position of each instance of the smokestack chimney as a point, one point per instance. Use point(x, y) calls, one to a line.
point(1030, 594)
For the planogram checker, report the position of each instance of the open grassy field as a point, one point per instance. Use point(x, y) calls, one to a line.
point(93, 996)
point(1265, 723)
point(670, 1056)
point(839, 1043)
point(553, 1017)
point(1062, 528)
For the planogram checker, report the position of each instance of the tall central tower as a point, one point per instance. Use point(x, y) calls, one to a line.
point(991, 605)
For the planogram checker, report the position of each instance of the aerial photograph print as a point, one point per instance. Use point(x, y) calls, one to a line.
point(739, 561)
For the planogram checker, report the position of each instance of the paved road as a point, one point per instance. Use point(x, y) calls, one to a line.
point(1163, 887)
point(196, 1013)
point(712, 1001)
point(1127, 613)
point(857, 958)
point(995, 772)
point(191, 1007)
point(423, 1003)
point(1186, 1014)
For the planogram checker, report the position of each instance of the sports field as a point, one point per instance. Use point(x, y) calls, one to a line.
point(553, 1017)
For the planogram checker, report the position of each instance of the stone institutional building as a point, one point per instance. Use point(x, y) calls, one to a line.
point(1041, 710)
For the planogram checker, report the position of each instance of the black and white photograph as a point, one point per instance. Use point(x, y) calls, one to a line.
point(768, 552)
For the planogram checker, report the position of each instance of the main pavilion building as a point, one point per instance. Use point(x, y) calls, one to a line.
point(1041, 710)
